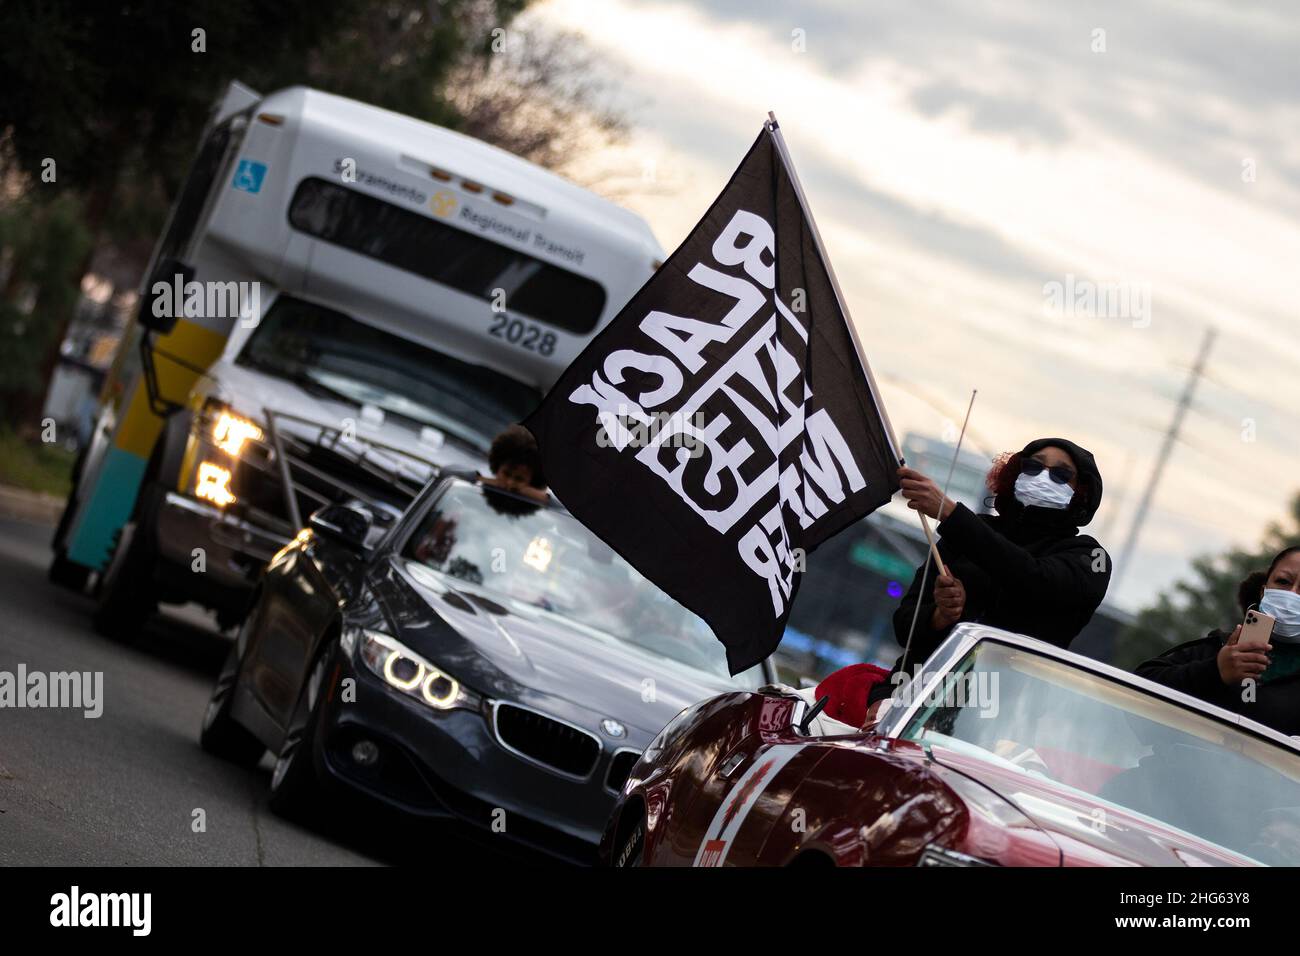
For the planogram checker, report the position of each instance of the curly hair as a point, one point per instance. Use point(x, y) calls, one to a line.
point(1251, 590)
point(1001, 479)
point(517, 446)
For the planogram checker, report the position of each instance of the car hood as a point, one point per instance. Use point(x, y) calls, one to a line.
point(250, 392)
point(1089, 830)
point(529, 656)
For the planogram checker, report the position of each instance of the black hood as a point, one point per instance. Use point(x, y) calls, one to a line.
point(1081, 509)
point(527, 656)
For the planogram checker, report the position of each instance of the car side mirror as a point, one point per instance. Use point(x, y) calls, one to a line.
point(164, 295)
point(811, 715)
point(342, 524)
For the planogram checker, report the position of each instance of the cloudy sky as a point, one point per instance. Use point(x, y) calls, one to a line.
point(960, 157)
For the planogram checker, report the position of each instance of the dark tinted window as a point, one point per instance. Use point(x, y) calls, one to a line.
point(465, 262)
point(194, 194)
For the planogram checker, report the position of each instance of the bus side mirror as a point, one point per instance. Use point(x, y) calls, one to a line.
point(342, 524)
point(164, 295)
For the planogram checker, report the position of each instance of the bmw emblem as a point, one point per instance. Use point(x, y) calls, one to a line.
point(613, 728)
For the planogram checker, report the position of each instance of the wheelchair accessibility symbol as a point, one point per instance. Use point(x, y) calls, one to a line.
point(249, 176)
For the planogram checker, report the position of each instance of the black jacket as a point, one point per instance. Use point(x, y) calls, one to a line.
point(1025, 569)
point(1193, 668)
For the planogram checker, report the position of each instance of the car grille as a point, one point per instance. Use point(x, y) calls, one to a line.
point(551, 743)
point(620, 766)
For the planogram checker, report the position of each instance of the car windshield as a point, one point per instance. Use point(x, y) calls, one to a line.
point(1120, 746)
point(542, 558)
point(326, 350)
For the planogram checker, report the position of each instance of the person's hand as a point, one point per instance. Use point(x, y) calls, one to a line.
point(923, 494)
point(539, 495)
point(1240, 662)
point(949, 601)
point(873, 713)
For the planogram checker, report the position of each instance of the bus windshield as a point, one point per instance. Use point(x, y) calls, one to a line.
point(322, 348)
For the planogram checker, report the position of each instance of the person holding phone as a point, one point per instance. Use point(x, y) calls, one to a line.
point(1025, 569)
point(1249, 671)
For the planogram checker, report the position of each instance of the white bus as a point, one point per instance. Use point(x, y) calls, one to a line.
point(343, 298)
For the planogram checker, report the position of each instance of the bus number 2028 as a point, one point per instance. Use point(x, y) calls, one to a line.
point(523, 334)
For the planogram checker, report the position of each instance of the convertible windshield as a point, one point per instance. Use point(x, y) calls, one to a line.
point(1047, 719)
point(324, 349)
point(542, 558)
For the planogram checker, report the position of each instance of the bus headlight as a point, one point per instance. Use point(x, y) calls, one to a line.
point(230, 431)
point(213, 484)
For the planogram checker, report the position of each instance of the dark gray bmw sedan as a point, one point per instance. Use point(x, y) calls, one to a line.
point(480, 659)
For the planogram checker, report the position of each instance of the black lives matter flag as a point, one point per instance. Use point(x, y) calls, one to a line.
point(723, 425)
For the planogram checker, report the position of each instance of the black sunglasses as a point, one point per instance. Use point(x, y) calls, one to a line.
point(1061, 474)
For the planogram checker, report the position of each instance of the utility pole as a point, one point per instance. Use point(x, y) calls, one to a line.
point(1166, 448)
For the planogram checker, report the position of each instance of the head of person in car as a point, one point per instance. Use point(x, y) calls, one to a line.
point(1220, 666)
point(1049, 481)
point(516, 464)
point(1276, 592)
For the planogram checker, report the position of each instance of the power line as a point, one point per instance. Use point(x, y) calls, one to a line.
point(1166, 447)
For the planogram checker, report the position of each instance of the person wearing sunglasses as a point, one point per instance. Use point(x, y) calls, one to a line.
point(1257, 680)
point(1025, 569)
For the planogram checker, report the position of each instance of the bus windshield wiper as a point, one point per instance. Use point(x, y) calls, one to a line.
point(298, 377)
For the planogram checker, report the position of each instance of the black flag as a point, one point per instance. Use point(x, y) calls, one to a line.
point(723, 425)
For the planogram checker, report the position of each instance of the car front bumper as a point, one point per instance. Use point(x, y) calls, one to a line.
point(451, 765)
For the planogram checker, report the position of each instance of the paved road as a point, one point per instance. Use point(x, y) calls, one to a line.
point(122, 789)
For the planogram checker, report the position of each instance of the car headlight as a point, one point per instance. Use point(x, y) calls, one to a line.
point(230, 431)
point(408, 673)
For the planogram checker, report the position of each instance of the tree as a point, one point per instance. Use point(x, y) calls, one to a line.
point(400, 55)
point(541, 95)
point(1208, 600)
point(101, 105)
point(109, 91)
point(43, 247)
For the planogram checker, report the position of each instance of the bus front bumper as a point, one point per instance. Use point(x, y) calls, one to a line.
point(212, 557)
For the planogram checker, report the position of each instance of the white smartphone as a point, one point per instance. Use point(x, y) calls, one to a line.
point(1257, 628)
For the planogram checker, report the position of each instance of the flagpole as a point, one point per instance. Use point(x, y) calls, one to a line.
point(775, 129)
point(952, 466)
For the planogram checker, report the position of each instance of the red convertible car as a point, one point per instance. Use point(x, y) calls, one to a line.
point(1003, 750)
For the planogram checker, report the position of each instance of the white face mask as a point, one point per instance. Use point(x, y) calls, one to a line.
point(1284, 607)
point(1041, 491)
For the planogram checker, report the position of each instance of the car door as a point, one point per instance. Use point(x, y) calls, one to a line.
point(300, 602)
